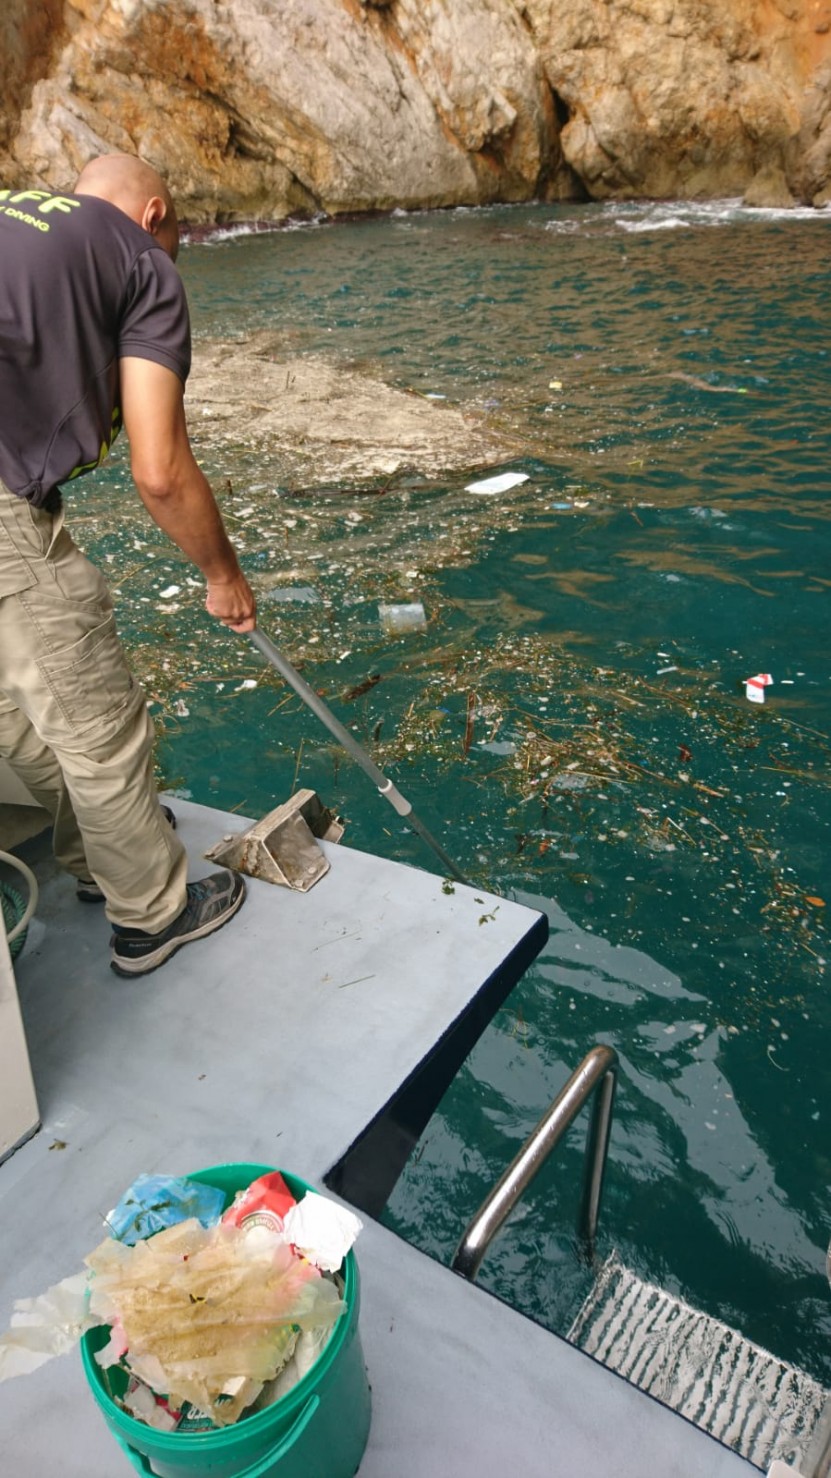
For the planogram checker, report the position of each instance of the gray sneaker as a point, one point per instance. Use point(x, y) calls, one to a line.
point(211, 903)
point(88, 891)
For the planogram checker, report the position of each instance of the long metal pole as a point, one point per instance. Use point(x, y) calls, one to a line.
point(384, 785)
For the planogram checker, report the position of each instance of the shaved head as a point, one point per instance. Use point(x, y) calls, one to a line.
point(137, 189)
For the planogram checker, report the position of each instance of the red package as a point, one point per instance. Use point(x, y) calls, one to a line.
point(263, 1204)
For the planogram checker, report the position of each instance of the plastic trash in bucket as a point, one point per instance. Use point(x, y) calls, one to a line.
point(319, 1429)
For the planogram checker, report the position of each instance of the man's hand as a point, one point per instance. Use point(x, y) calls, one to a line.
point(232, 602)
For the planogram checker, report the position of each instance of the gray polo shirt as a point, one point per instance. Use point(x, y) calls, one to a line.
point(81, 286)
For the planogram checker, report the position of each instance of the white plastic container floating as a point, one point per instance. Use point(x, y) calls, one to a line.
point(398, 619)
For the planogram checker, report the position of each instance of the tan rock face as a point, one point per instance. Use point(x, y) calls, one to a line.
point(679, 97)
point(253, 109)
point(31, 36)
point(265, 108)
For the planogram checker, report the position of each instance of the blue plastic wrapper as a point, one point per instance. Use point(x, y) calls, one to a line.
point(154, 1202)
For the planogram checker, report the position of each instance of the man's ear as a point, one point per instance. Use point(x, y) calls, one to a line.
point(154, 215)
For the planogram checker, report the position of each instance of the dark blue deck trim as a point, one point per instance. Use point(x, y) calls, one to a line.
point(367, 1173)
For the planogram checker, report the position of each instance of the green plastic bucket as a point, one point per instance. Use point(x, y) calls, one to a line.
point(319, 1429)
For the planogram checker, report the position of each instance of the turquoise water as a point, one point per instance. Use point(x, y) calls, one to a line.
point(573, 723)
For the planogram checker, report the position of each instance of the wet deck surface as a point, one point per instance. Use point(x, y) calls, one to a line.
point(280, 1040)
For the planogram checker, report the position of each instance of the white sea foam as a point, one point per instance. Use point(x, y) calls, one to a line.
point(669, 223)
point(218, 235)
point(638, 217)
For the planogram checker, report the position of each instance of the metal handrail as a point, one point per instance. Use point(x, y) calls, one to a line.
point(598, 1070)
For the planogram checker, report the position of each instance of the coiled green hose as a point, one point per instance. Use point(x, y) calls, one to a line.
point(16, 912)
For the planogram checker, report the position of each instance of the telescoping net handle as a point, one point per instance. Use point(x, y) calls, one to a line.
point(382, 783)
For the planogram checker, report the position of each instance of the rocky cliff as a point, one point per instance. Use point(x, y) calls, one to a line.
point(259, 109)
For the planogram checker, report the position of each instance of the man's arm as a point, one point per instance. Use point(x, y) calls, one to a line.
point(175, 492)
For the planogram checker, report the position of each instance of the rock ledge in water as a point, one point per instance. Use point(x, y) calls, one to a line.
point(320, 421)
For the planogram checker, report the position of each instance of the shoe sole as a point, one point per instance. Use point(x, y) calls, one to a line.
point(148, 963)
point(88, 896)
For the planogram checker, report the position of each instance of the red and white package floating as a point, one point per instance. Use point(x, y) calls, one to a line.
point(754, 687)
point(265, 1203)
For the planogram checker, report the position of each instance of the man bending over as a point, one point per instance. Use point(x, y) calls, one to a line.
point(95, 333)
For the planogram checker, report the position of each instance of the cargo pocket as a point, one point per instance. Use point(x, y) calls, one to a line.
point(91, 690)
point(15, 574)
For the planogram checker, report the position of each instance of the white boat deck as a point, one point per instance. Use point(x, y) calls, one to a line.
point(284, 1039)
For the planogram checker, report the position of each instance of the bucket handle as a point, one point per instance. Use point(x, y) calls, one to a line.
point(261, 1467)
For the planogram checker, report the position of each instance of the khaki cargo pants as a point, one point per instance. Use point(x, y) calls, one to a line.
point(74, 724)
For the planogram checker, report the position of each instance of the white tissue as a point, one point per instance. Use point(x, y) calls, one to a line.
point(321, 1230)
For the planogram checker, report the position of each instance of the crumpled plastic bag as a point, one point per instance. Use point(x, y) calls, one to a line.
point(147, 1407)
point(154, 1202)
point(310, 1346)
point(48, 1325)
point(208, 1315)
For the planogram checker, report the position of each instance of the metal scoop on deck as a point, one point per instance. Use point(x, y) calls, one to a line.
point(282, 848)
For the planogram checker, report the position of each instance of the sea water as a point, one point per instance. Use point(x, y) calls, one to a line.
point(573, 721)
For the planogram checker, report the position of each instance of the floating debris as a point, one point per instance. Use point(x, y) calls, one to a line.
point(602, 754)
point(754, 687)
point(400, 618)
point(302, 593)
point(500, 484)
point(361, 688)
point(578, 751)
